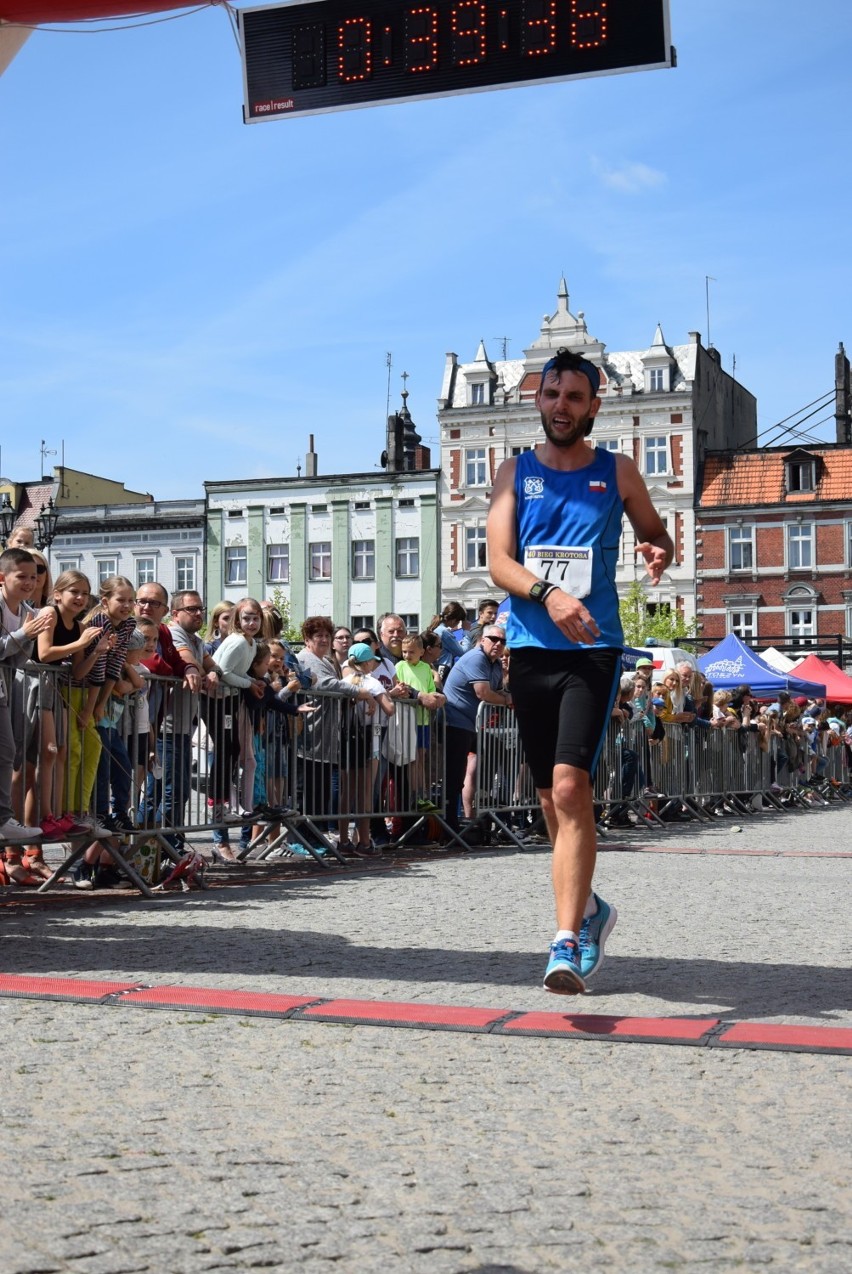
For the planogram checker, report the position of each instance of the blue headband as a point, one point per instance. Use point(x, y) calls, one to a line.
point(588, 370)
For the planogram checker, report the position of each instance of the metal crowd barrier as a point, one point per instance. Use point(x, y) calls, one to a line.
point(693, 772)
point(308, 784)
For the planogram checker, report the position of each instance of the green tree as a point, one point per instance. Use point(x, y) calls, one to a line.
point(639, 624)
point(290, 631)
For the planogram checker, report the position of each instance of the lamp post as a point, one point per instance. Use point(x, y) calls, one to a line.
point(7, 517)
point(46, 524)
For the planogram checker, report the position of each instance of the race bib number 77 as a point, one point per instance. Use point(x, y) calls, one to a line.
point(569, 568)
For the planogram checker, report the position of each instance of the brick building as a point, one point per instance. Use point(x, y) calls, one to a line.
point(774, 544)
point(664, 406)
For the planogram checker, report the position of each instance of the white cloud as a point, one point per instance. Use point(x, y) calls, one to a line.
point(629, 179)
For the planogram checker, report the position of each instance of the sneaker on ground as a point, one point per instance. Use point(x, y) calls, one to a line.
point(593, 934)
point(17, 833)
point(72, 826)
point(123, 823)
point(94, 825)
point(563, 975)
point(365, 851)
point(108, 877)
point(82, 875)
point(53, 828)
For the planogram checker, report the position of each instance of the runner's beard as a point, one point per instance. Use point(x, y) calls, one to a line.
point(567, 440)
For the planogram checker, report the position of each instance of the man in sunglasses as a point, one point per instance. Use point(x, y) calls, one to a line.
point(554, 527)
point(475, 678)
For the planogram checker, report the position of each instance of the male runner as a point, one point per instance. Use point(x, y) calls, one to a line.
point(553, 537)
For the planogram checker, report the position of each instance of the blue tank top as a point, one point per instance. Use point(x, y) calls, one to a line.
point(568, 532)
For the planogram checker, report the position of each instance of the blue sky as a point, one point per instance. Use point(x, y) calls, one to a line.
point(185, 297)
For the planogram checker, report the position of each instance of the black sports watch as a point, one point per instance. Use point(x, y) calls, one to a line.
point(540, 590)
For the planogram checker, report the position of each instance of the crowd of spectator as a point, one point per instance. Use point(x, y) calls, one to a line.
point(108, 747)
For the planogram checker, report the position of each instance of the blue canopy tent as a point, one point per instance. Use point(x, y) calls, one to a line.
point(732, 664)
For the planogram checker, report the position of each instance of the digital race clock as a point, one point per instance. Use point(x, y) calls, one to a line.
point(333, 55)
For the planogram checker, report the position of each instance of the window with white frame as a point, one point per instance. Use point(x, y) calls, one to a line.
point(411, 621)
point(742, 624)
point(319, 560)
point(185, 574)
point(741, 548)
point(67, 564)
point(362, 621)
point(145, 571)
point(477, 394)
point(519, 451)
point(800, 546)
point(656, 455)
point(475, 553)
point(656, 381)
point(236, 565)
point(106, 566)
point(408, 557)
point(278, 563)
point(801, 623)
point(474, 467)
point(363, 559)
point(801, 603)
point(608, 444)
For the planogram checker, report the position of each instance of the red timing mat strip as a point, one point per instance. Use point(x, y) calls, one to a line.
point(702, 1032)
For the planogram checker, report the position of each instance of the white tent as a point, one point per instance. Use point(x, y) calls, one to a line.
point(777, 660)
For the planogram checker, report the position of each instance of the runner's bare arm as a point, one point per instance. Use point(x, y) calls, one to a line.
point(653, 540)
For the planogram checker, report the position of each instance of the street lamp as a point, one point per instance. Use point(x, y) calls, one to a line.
point(7, 517)
point(46, 524)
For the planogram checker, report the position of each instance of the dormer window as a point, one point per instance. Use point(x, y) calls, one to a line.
point(477, 394)
point(801, 473)
point(656, 383)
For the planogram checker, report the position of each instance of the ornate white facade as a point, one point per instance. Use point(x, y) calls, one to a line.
point(664, 406)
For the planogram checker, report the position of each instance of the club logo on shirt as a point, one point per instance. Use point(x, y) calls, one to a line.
point(534, 488)
point(597, 486)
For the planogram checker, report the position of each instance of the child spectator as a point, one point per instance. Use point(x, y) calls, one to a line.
point(108, 681)
point(219, 627)
point(413, 670)
point(359, 746)
point(20, 625)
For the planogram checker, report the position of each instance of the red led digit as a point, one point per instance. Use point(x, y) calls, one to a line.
point(354, 50)
point(503, 28)
point(588, 26)
point(538, 29)
point(467, 23)
point(421, 39)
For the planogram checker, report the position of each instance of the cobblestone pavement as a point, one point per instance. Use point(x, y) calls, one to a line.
point(177, 1141)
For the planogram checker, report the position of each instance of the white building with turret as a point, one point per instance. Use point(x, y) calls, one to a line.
point(664, 405)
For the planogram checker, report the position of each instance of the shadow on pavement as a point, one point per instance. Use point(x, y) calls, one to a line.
point(304, 961)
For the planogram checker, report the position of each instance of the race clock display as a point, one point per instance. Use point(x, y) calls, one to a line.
point(334, 55)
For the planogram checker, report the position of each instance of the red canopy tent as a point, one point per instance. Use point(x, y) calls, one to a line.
point(838, 687)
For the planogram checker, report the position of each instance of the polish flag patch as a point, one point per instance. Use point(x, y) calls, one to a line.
point(597, 486)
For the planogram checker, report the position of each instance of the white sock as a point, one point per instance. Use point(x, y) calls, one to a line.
point(565, 933)
point(591, 907)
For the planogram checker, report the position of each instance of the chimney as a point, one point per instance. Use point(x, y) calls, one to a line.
point(842, 398)
point(311, 459)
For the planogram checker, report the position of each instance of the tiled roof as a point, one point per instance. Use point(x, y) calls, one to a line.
point(33, 498)
point(754, 478)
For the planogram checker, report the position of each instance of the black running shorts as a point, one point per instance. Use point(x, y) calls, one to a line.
point(563, 700)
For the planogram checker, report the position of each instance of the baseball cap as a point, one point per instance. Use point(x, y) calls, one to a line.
point(644, 662)
point(360, 653)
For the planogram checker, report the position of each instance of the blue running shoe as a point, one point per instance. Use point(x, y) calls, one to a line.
point(563, 975)
point(593, 934)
